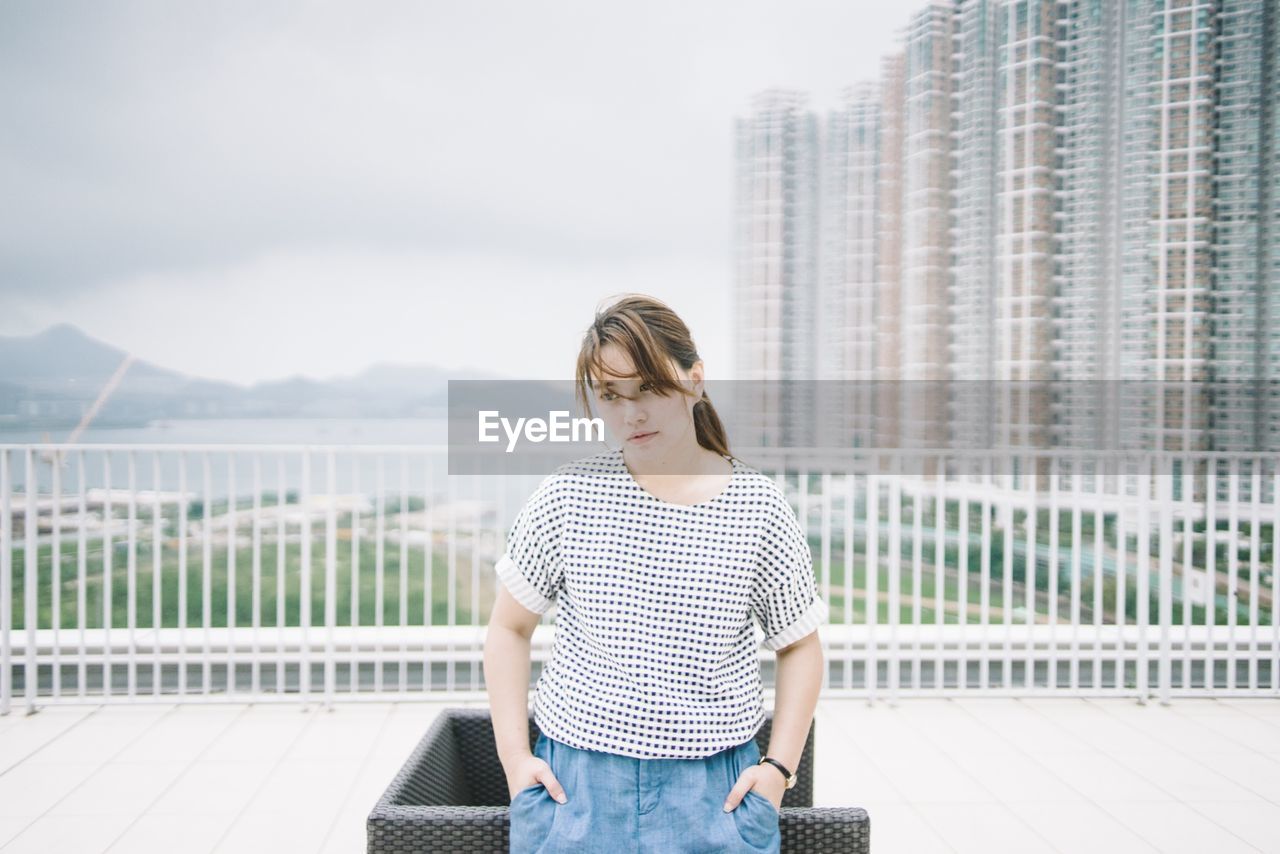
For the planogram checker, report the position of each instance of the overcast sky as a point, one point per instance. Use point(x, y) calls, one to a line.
point(255, 190)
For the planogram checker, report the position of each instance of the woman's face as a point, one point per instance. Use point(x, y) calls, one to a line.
point(646, 423)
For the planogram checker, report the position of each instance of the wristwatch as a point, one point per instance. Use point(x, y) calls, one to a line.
point(791, 778)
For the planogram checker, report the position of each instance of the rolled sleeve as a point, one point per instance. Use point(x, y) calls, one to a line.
point(786, 604)
point(517, 582)
point(531, 566)
point(810, 618)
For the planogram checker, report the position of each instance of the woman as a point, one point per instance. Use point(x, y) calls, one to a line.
point(660, 554)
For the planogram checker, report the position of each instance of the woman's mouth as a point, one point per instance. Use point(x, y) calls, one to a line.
point(642, 438)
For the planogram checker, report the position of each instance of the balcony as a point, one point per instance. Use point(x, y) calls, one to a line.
point(1033, 653)
point(962, 774)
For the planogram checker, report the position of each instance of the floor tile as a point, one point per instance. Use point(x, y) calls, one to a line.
point(315, 786)
point(348, 834)
point(1099, 777)
point(119, 788)
point(1175, 828)
point(1184, 778)
point(170, 834)
point(275, 833)
point(31, 789)
point(899, 827)
point(183, 735)
point(982, 828)
point(1256, 824)
point(68, 834)
point(213, 788)
point(1080, 827)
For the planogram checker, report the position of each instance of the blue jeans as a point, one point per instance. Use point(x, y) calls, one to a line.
point(624, 805)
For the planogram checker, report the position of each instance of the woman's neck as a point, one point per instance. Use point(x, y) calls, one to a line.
point(694, 483)
point(680, 463)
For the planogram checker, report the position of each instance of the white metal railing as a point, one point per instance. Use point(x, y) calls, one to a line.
point(287, 572)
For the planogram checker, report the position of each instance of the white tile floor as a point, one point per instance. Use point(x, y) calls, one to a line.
point(982, 775)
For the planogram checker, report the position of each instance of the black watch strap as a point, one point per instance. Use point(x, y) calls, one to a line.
point(776, 764)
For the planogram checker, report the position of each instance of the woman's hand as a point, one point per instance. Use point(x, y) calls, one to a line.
point(764, 780)
point(534, 769)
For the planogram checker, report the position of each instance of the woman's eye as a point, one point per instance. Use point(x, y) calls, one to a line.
point(609, 396)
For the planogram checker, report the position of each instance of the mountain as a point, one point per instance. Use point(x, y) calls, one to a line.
point(51, 378)
point(64, 360)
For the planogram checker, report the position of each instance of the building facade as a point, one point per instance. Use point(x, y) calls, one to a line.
point(1064, 211)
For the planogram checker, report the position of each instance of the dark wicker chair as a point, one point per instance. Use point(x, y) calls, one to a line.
point(451, 796)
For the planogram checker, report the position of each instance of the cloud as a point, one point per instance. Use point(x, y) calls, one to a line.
point(151, 136)
point(338, 183)
point(326, 313)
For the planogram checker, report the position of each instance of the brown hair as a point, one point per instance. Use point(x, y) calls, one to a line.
point(650, 333)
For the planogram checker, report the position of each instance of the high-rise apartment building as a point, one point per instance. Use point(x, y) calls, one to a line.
point(1245, 318)
point(847, 333)
point(926, 225)
point(888, 293)
point(1181, 182)
point(1079, 196)
point(1025, 165)
point(972, 318)
point(1101, 216)
point(776, 259)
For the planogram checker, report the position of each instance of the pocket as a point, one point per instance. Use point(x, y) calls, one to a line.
point(752, 793)
point(530, 818)
point(757, 822)
point(528, 789)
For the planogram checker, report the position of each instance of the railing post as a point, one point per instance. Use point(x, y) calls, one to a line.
point(255, 678)
point(1142, 565)
point(330, 577)
point(825, 556)
point(873, 580)
point(1031, 567)
point(939, 572)
point(183, 512)
point(1054, 523)
point(206, 576)
point(157, 565)
point(1163, 483)
point(29, 581)
point(131, 579)
point(6, 585)
point(895, 574)
point(304, 584)
point(232, 524)
point(55, 576)
point(1275, 577)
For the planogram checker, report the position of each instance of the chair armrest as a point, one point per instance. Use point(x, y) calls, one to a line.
point(392, 829)
point(835, 830)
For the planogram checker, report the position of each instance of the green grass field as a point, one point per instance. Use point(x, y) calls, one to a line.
point(272, 572)
point(472, 597)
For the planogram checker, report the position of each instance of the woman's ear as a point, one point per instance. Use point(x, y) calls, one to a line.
point(696, 388)
point(696, 378)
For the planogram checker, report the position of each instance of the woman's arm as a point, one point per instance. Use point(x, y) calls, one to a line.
point(507, 668)
point(506, 676)
point(798, 681)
